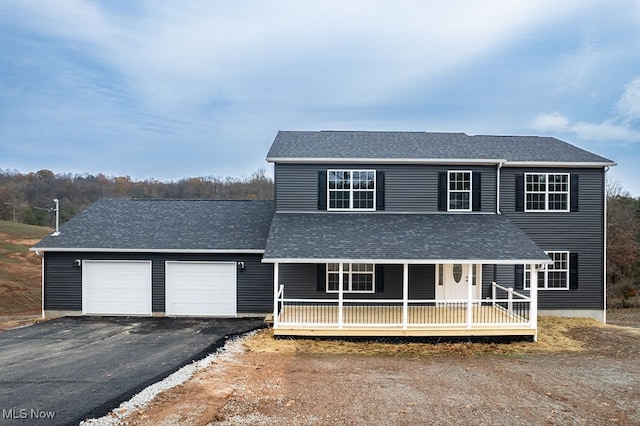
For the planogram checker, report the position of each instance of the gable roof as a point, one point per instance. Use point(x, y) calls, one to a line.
point(165, 225)
point(398, 238)
point(341, 146)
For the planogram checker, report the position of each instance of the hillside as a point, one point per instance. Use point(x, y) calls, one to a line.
point(20, 270)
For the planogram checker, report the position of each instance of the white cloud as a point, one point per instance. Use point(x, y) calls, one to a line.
point(329, 52)
point(553, 122)
point(618, 129)
point(605, 132)
point(629, 104)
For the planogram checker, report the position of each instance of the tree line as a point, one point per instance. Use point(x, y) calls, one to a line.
point(28, 197)
point(623, 247)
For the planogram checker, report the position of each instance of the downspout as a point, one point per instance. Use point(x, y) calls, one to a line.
point(604, 277)
point(498, 186)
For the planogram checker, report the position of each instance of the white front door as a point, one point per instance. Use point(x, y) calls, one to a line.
point(452, 282)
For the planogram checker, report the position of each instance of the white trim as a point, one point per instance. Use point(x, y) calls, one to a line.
point(382, 212)
point(544, 278)
point(409, 261)
point(449, 190)
point(332, 160)
point(351, 190)
point(347, 287)
point(141, 250)
point(546, 193)
point(595, 164)
point(443, 161)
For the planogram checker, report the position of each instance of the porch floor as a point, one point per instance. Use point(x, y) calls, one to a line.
point(309, 320)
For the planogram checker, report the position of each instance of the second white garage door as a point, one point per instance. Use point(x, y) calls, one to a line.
point(201, 288)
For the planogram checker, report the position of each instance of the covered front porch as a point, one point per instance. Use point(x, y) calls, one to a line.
point(400, 275)
point(505, 313)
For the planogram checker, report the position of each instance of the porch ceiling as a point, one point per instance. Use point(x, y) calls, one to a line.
point(399, 238)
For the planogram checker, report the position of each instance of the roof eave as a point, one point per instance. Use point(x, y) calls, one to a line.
point(319, 160)
point(564, 164)
point(443, 161)
point(411, 261)
point(144, 250)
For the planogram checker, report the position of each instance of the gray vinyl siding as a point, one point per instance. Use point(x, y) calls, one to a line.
point(577, 232)
point(300, 281)
point(63, 280)
point(408, 188)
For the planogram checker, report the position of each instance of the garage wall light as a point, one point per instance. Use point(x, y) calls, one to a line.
point(241, 265)
point(77, 263)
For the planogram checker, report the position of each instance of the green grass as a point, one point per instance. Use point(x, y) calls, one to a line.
point(14, 230)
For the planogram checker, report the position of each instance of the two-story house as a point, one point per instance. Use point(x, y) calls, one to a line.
point(370, 233)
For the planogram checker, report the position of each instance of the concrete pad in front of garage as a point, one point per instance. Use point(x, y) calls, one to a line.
point(82, 367)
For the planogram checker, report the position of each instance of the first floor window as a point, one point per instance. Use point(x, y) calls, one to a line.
point(553, 276)
point(357, 277)
point(459, 193)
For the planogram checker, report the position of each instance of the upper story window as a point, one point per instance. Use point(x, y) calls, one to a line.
point(356, 277)
point(553, 276)
point(351, 189)
point(459, 190)
point(546, 192)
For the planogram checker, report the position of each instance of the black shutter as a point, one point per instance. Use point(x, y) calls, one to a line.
point(476, 191)
point(520, 193)
point(574, 193)
point(379, 278)
point(573, 271)
point(380, 191)
point(322, 190)
point(518, 279)
point(321, 275)
point(495, 273)
point(442, 191)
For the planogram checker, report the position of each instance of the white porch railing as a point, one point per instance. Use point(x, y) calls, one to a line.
point(505, 308)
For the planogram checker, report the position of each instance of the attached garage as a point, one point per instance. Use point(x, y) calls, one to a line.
point(121, 287)
point(201, 288)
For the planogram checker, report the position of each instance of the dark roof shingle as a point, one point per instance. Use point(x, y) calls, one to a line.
point(119, 224)
point(398, 237)
point(343, 145)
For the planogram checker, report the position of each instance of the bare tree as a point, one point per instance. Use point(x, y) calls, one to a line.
point(623, 243)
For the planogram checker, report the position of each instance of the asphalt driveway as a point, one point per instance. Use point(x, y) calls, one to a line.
point(82, 367)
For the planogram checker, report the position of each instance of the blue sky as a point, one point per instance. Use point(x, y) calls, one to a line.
point(165, 90)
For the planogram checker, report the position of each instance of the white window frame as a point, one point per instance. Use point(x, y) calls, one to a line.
point(347, 286)
point(351, 190)
point(449, 190)
point(543, 275)
point(547, 192)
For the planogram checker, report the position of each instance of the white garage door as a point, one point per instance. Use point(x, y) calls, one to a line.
point(201, 288)
point(116, 287)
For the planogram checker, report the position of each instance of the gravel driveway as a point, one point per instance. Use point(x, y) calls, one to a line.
point(596, 382)
point(78, 367)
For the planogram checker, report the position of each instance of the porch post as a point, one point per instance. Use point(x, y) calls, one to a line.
point(405, 295)
point(275, 294)
point(533, 304)
point(469, 295)
point(340, 294)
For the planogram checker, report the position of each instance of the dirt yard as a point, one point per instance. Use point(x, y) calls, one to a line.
point(580, 372)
